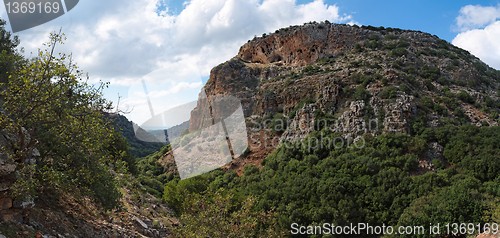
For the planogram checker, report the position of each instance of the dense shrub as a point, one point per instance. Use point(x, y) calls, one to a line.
point(360, 93)
point(389, 92)
point(377, 183)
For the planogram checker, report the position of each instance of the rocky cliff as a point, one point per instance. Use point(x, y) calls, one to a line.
point(362, 79)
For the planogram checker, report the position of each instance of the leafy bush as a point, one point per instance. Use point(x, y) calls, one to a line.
point(373, 44)
point(361, 93)
point(465, 97)
point(310, 70)
point(220, 213)
point(176, 191)
point(389, 92)
point(64, 119)
point(279, 123)
point(398, 52)
point(459, 203)
point(430, 72)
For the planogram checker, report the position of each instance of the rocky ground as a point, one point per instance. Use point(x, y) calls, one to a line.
point(145, 217)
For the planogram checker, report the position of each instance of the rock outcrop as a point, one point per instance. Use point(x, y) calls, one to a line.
point(365, 79)
point(12, 210)
point(302, 46)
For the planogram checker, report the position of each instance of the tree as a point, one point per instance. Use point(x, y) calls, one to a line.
point(459, 203)
point(49, 108)
point(9, 57)
point(220, 214)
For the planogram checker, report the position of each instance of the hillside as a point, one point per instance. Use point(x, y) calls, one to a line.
point(137, 147)
point(345, 125)
point(65, 169)
point(365, 79)
point(351, 124)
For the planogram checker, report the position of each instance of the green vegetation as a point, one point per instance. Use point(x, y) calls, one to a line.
point(364, 80)
point(48, 107)
point(376, 183)
point(137, 148)
point(311, 70)
point(151, 175)
point(397, 47)
point(279, 123)
point(10, 59)
point(299, 106)
point(398, 52)
point(360, 93)
point(205, 208)
point(373, 44)
point(465, 97)
point(327, 60)
point(430, 72)
point(218, 213)
point(389, 92)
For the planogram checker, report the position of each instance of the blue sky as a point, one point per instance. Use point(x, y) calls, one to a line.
point(433, 16)
point(171, 45)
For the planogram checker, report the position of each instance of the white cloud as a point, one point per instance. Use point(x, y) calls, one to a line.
point(480, 31)
point(476, 16)
point(125, 41)
point(483, 43)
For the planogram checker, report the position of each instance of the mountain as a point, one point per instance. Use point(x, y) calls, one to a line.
point(345, 124)
point(349, 125)
point(365, 80)
point(172, 132)
point(137, 147)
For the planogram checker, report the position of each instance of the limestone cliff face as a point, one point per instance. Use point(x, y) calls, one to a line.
point(301, 46)
point(365, 79)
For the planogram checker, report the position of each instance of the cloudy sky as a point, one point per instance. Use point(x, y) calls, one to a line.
point(167, 47)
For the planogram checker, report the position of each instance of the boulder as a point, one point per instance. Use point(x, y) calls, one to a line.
point(5, 203)
point(7, 169)
point(10, 215)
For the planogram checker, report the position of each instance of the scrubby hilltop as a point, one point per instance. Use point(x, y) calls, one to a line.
point(402, 80)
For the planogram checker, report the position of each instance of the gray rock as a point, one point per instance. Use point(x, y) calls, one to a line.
point(398, 114)
point(352, 122)
point(435, 151)
point(27, 202)
point(140, 222)
point(302, 124)
point(7, 169)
